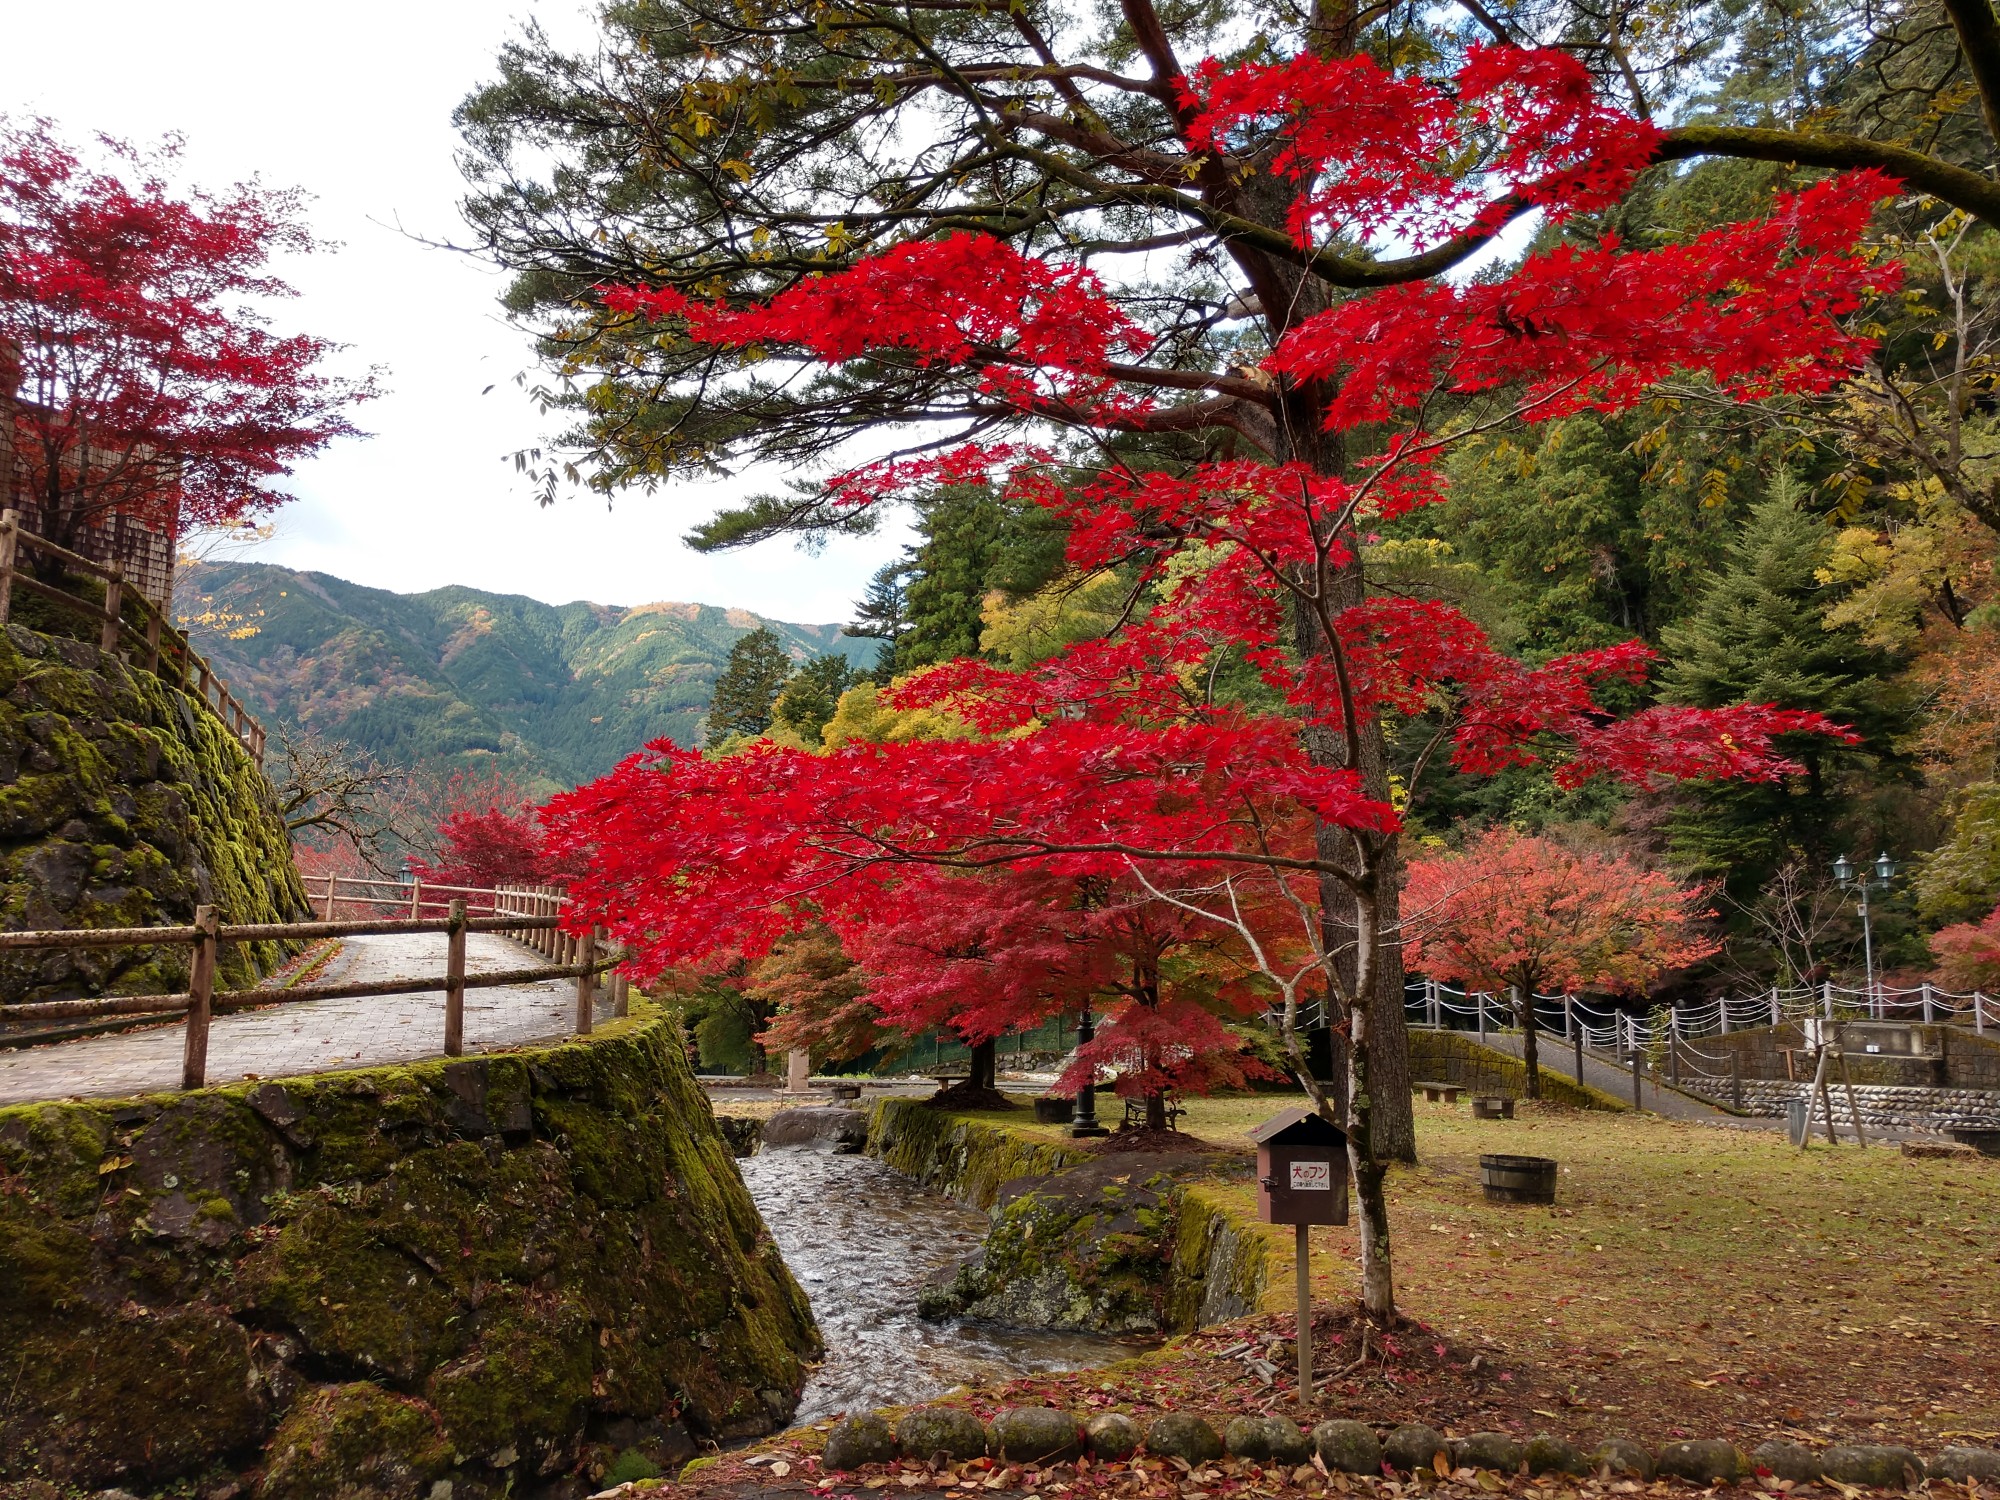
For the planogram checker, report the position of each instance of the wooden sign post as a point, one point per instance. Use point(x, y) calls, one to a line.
point(1301, 1181)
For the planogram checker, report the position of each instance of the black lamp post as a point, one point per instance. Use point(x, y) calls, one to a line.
point(1084, 1121)
point(1862, 881)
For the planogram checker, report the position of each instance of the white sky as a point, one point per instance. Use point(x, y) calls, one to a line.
point(354, 104)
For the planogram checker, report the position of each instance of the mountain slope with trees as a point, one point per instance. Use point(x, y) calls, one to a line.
point(550, 694)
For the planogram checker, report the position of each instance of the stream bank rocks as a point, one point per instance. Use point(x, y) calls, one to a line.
point(492, 1272)
point(817, 1127)
point(1034, 1436)
point(1122, 1242)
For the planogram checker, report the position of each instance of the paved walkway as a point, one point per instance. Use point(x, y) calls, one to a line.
point(1558, 1056)
point(315, 1036)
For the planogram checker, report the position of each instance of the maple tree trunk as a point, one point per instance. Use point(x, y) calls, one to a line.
point(1524, 1011)
point(1365, 1160)
point(985, 1063)
point(1156, 1110)
point(1394, 1137)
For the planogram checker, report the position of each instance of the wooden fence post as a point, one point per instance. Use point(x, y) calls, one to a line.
point(454, 981)
point(586, 982)
point(416, 896)
point(114, 610)
point(201, 1000)
point(621, 995)
point(10, 552)
point(326, 912)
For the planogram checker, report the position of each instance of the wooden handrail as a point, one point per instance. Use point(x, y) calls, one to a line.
point(157, 638)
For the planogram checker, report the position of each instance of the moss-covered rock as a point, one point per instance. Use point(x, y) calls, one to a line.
point(1181, 1435)
point(1266, 1440)
point(1112, 1436)
point(529, 1251)
point(123, 803)
point(1622, 1456)
point(1704, 1461)
point(1348, 1447)
point(1487, 1450)
point(1108, 1242)
point(1036, 1435)
point(859, 1440)
point(1414, 1446)
point(1877, 1465)
point(952, 1432)
point(355, 1442)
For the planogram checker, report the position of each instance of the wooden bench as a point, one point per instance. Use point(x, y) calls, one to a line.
point(1135, 1113)
point(1439, 1093)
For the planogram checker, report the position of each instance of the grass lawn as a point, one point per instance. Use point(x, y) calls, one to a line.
point(1690, 1278)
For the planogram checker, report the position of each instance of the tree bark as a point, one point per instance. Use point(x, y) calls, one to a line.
point(984, 1065)
point(1524, 1012)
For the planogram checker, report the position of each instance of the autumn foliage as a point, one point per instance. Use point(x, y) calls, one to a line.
point(1513, 912)
point(129, 322)
point(1110, 766)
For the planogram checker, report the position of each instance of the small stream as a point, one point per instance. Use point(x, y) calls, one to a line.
point(862, 1240)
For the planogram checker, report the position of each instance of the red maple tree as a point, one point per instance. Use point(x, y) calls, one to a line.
point(148, 381)
point(1525, 915)
point(1111, 761)
point(1968, 953)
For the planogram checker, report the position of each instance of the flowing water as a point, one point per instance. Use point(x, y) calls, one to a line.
point(863, 1240)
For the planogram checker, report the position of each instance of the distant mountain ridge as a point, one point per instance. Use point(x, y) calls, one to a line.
point(555, 694)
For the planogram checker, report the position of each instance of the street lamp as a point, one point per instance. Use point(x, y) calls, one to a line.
point(1084, 1121)
point(1864, 881)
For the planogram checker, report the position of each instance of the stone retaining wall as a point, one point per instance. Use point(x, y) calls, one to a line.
point(495, 1271)
point(1886, 1106)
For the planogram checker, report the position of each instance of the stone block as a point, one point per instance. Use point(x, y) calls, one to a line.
point(1414, 1446)
point(1546, 1454)
point(1349, 1447)
point(1783, 1460)
point(1877, 1464)
point(1960, 1464)
point(859, 1440)
point(1111, 1436)
point(1180, 1435)
point(1036, 1435)
point(1266, 1440)
point(1622, 1456)
point(950, 1432)
point(1487, 1450)
point(1703, 1461)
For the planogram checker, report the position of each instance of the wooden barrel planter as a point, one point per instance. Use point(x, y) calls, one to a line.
point(1492, 1107)
point(1049, 1110)
point(1518, 1179)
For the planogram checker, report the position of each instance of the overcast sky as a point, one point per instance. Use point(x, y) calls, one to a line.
point(354, 104)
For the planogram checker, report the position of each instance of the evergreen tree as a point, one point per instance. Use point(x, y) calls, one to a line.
point(1759, 635)
point(972, 543)
point(811, 695)
point(749, 685)
point(884, 614)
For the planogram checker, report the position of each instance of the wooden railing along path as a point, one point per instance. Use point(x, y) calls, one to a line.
point(153, 643)
point(530, 915)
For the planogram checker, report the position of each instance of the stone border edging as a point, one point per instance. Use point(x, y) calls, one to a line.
point(1043, 1436)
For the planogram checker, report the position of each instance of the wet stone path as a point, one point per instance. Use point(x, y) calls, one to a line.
point(314, 1036)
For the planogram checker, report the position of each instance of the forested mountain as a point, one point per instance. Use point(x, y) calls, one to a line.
point(552, 694)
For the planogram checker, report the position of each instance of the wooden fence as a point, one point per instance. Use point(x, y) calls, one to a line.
point(529, 915)
point(151, 641)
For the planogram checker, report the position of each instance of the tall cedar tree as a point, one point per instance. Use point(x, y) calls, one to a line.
point(1526, 916)
point(149, 383)
point(1759, 635)
point(748, 688)
point(782, 271)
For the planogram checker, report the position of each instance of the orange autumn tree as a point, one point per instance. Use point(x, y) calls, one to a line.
point(1518, 913)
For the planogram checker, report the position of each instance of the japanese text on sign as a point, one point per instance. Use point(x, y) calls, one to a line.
point(1312, 1177)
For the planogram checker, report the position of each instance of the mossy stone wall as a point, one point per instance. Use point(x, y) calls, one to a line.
point(500, 1271)
point(124, 803)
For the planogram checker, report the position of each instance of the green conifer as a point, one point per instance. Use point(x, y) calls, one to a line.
point(1759, 635)
point(749, 685)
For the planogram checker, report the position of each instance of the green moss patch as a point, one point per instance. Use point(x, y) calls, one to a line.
point(473, 1266)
